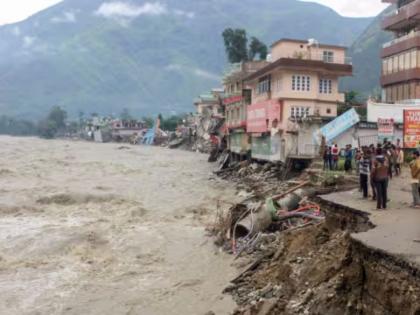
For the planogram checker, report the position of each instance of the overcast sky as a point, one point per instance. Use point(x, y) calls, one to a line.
point(354, 7)
point(17, 10)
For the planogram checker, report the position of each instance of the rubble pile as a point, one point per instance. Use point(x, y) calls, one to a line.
point(292, 264)
point(260, 179)
point(304, 271)
point(194, 134)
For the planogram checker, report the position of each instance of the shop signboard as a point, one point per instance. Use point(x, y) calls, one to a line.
point(232, 100)
point(386, 129)
point(412, 128)
point(261, 115)
point(338, 126)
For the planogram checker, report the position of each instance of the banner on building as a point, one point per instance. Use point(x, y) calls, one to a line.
point(411, 129)
point(261, 115)
point(386, 129)
point(338, 126)
point(232, 100)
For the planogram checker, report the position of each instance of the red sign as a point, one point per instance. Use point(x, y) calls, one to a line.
point(232, 100)
point(261, 115)
point(411, 128)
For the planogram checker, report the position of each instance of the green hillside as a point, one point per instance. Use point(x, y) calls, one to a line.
point(101, 56)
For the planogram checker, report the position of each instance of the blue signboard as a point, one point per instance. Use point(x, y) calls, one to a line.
point(338, 126)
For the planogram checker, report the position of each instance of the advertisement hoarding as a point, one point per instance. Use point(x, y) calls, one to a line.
point(412, 128)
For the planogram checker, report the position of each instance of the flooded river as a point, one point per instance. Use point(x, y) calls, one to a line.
point(103, 229)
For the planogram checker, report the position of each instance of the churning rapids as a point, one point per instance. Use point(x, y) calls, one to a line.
point(108, 229)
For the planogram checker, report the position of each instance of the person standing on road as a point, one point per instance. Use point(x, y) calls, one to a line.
point(335, 152)
point(399, 161)
point(415, 178)
point(372, 180)
point(380, 176)
point(358, 158)
point(364, 168)
point(348, 159)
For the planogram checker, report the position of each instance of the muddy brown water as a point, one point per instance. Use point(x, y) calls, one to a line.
point(103, 229)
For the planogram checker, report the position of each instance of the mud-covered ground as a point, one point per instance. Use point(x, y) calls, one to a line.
point(103, 229)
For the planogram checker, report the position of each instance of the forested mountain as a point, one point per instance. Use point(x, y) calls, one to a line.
point(102, 56)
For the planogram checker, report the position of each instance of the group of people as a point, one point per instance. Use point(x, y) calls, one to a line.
point(331, 157)
point(376, 165)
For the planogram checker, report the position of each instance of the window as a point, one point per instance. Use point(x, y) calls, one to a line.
point(407, 61)
point(400, 62)
point(328, 110)
point(389, 66)
point(325, 86)
point(394, 64)
point(264, 85)
point(278, 85)
point(384, 67)
point(413, 57)
point(301, 83)
point(299, 112)
point(328, 56)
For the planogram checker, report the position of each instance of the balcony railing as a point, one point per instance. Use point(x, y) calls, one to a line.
point(401, 9)
point(321, 57)
point(401, 39)
point(401, 16)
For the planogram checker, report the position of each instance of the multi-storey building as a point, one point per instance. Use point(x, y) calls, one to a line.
point(400, 78)
point(236, 99)
point(299, 84)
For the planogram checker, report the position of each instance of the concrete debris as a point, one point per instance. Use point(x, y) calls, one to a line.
point(295, 256)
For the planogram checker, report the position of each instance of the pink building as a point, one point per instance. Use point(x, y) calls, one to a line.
point(301, 81)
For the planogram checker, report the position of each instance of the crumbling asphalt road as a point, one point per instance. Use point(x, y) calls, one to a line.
point(103, 229)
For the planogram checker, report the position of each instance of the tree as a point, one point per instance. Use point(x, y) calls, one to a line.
point(351, 98)
point(53, 123)
point(256, 47)
point(58, 116)
point(235, 44)
point(171, 123)
point(47, 129)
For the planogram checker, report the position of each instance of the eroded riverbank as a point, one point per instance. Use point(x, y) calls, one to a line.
point(105, 229)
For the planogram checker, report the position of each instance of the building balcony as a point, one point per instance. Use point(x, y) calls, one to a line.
point(393, 47)
point(312, 63)
point(403, 17)
point(400, 77)
point(343, 60)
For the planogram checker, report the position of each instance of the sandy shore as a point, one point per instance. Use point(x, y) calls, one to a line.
point(103, 229)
